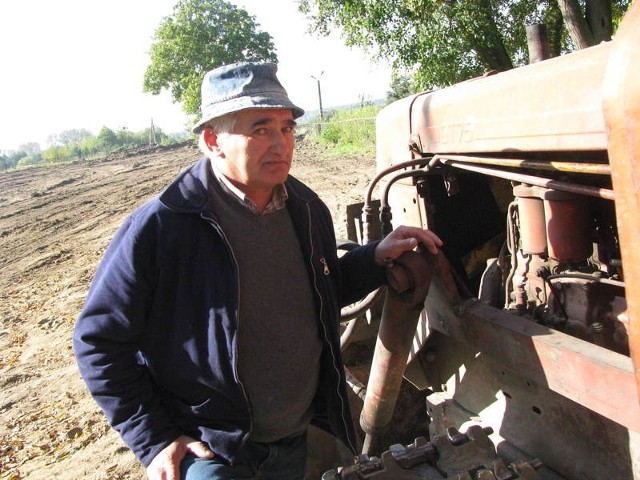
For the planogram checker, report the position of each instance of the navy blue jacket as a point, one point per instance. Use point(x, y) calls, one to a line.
point(156, 340)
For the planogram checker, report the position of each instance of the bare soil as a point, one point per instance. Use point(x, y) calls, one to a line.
point(55, 224)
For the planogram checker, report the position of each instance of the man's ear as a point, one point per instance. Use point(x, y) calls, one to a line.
point(211, 139)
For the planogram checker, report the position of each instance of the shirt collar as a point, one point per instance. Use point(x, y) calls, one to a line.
point(278, 198)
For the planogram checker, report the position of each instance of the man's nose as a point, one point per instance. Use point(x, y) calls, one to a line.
point(279, 139)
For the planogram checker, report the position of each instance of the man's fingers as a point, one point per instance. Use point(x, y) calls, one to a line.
point(404, 239)
point(200, 450)
point(411, 243)
point(431, 241)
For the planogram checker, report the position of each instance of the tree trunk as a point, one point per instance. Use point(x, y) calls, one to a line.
point(598, 14)
point(481, 32)
point(576, 23)
point(537, 42)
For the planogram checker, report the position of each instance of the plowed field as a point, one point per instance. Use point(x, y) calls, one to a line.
point(55, 223)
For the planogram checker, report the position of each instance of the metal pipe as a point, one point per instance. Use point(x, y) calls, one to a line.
point(356, 385)
point(571, 167)
point(604, 193)
point(360, 308)
point(387, 171)
point(345, 337)
point(396, 177)
point(586, 276)
point(385, 210)
point(408, 284)
point(367, 210)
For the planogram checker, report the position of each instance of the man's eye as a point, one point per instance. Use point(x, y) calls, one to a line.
point(260, 131)
point(288, 129)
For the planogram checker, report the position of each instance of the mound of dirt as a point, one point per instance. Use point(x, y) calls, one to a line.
point(55, 224)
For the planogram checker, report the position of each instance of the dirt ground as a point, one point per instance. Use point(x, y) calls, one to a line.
point(55, 224)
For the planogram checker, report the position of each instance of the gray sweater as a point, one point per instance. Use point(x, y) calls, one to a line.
point(278, 342)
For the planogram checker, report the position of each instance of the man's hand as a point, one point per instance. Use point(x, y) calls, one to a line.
point(404, 239)
point(166, 465)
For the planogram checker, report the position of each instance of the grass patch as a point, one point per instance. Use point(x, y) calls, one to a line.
point(349, 131)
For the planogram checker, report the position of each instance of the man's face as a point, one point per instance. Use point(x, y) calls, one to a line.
point(256, 155)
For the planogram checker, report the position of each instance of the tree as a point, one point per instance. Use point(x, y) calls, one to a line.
point(401, 87)
point(199, 36)
point(31, 149)
point(73, 137)
point(107, 139)
point(33, 154)
point(11, 159)
point(53, 154)
point(125, 138)
point(441, 42)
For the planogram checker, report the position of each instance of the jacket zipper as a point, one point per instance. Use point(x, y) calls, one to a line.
point(336, 367)
point(325, 267)
point(217, 227)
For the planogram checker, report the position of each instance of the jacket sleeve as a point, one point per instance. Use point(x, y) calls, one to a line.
point(108, 337)
point(360, 273)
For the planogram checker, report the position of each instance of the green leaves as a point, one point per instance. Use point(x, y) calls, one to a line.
point(441, 42)
point(199, 36)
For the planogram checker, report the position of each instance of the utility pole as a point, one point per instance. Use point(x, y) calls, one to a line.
point(319, 94)
point(152, 134)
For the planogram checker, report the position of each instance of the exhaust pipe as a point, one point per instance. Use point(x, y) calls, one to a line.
point(408, 284)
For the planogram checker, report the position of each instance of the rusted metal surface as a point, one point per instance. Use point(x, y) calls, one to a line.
point(560, 394)
point(450, 454)
point(572, 441)
point(384, 468)
point(567, 227)
point(409, 281)
point(594, 377)
point(622, 110)
point(531, 210)
point(518, 110)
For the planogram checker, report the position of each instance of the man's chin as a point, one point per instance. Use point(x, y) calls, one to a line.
point(277, 170)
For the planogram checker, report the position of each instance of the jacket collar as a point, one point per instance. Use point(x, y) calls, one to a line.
point(189, 193)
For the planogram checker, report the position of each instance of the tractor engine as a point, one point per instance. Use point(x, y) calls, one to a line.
point(560, 265)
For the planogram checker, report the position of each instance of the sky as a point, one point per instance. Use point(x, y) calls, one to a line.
point(67, 64)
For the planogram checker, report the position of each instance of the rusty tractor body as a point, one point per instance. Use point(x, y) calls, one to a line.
point(531, 323)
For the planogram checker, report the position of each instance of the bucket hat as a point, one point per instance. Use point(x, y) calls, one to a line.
point(241, 86)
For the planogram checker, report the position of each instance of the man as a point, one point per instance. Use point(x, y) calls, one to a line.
point(210, 334)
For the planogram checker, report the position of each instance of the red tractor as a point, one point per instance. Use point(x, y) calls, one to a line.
point(527, 338)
